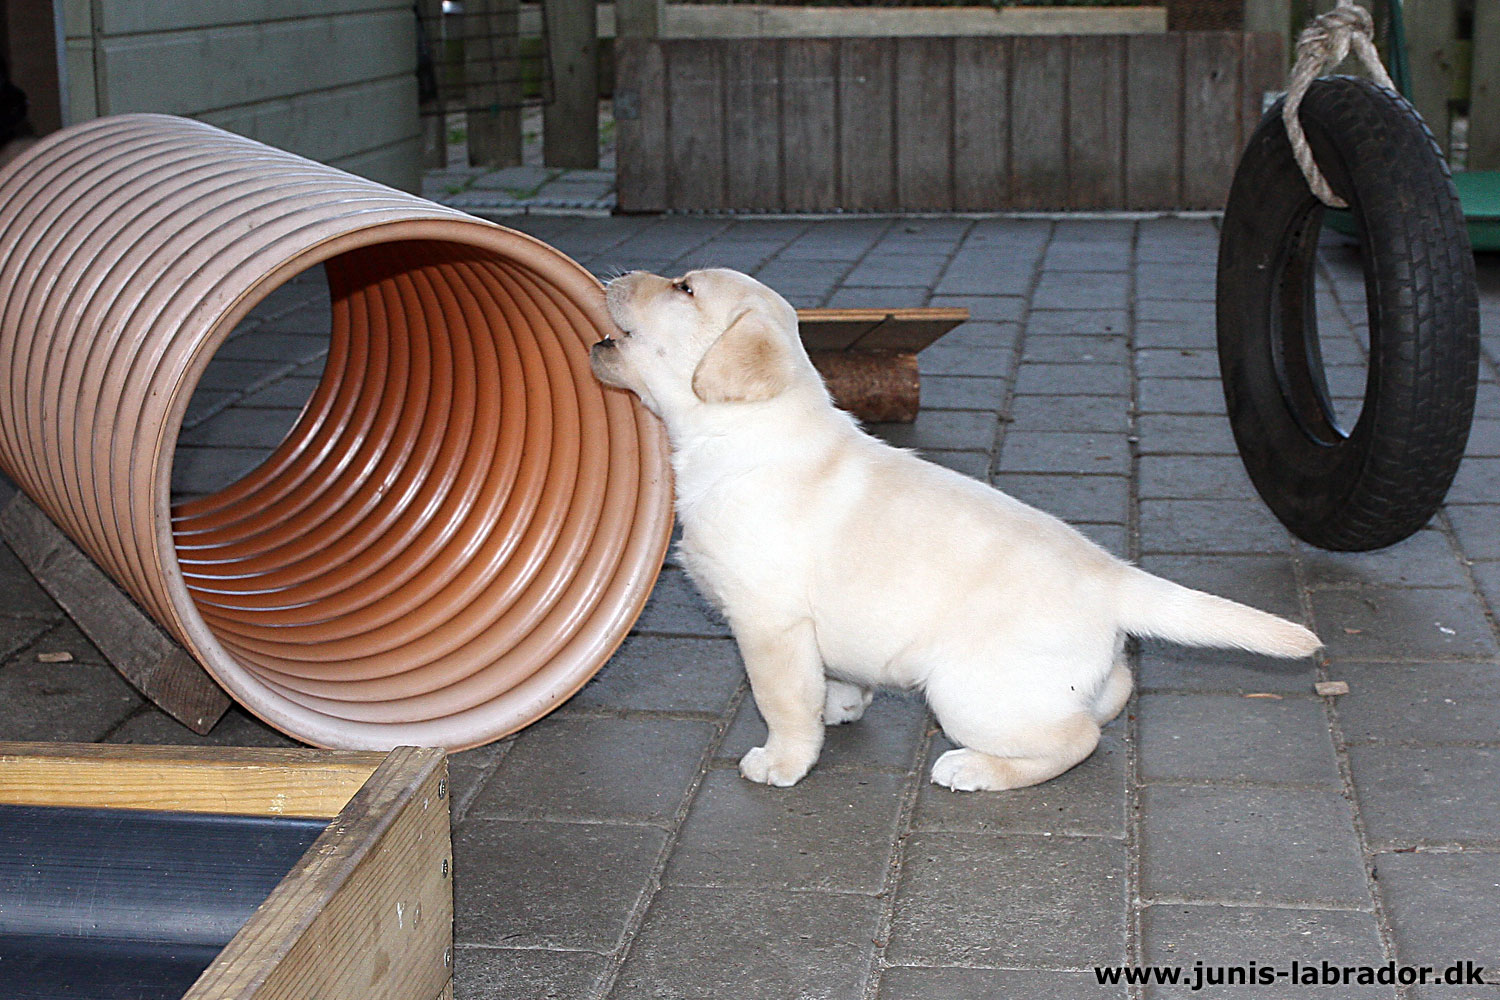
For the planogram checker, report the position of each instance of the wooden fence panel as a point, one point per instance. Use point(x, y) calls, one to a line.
point(981, 112)
point(1262, 71)
point(1210, 116)
point(924, 124)
point(640, 125)
point(752, 125)
point(1484, 90)
point(695, 125)
point(1038, 137)
point(867, 135)
point(1096, 135)
point(809, 134)
point(1153, 121)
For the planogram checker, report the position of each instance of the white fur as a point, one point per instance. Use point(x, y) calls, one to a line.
point(842, 563)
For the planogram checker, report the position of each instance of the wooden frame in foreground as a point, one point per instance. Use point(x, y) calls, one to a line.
point(366, 914)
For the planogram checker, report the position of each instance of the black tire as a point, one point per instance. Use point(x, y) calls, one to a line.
point(1376, 483)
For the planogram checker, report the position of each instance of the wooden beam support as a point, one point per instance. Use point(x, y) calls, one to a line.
point(570, 120)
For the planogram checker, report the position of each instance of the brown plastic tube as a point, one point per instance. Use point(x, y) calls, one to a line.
point(463, 524)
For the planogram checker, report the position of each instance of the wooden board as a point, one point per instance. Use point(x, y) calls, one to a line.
point(253, 782)
point(908, 330)
point(1038, 138)
point(924, 124)
point(867, 137)
point(136, 646)
point(695, 126)
point(1096, 133)
point(752, 130)
point(809, 134)
point(981, 113)
point(640, 102)
point(1210, 112)
point(1153, 126)
point(1484, 90)
point(1262, 72)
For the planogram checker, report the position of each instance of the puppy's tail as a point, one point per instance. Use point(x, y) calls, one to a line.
point(1151, 606)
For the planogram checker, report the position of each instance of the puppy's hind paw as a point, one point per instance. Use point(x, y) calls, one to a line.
point(966, 770)
point(758, 765)
point(845, 703)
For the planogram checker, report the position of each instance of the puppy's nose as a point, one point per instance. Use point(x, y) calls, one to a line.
point(607, 344)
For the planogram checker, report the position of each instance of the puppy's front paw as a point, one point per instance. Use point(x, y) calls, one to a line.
point(966, 770)
point(759, 765)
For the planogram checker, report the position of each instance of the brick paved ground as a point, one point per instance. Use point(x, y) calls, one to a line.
point(1230, 815)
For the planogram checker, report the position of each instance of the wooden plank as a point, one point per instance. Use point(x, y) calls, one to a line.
point(981, 124)
point(640, 126)
point(866, 113)
point(809, 131)
point(1096, 121)
point(432, 110)
point(570, 120)
point(1262, 71)
point(492, 75)
point(1210, 116)
point(695, 124)
point(752, 125)
point(924, 124)
point(136, 646)
point(1431, 33)
point(639, 18)
point(1153, 121)
point(248, 781)
point(877, 329)
point(1484, 90)
point(1038, 115)
point(368, 912)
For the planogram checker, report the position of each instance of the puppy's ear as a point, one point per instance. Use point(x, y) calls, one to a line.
point(749, 363)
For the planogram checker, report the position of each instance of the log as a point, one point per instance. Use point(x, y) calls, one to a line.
point(875, 386)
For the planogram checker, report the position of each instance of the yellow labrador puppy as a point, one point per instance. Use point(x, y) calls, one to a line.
point(842, 563)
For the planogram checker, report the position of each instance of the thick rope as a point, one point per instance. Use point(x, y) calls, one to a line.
point(1323, 44)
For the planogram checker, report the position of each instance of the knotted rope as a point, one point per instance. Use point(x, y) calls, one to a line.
point(1323, 44)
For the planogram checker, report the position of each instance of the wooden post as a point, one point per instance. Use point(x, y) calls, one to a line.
point(492, 79)
point(1274, 16)
point(1431, 31)
point(570, 120)
point(1484, 90)
point(430, 84)
point(640, 18)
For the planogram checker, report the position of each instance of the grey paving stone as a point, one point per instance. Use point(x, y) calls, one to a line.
point(625, 770)
point(886, 739)
point(1072, 380)
point(24, 597)
point(1265, 582)
point(1185, 435)
point(662, 674)
point(1478, 481)
point(205, 403)
point(1484, 439)
point(1194, 477)
point(1487, 575)
point(271, 345)
point(1158, 280)
point(1419, 702)
point(196, 471)
point(1176, 668)
point(77, 702)
point(291, 392)
point(1098, 499)
point(526, 972)
point(240, 428)
point(974, 464)
point(986, 308)
point(238, 728)
point(751, 944)
point(1164, 333)
point(1267, 846)
point(821, 243)
point(1423, 560)
point(1433, 795)
point(1224, 937)
point(1176, 362)
point(1070, 413)
point(988, 361)
point(225, 373)
point(1402, 624)
point(1112, 538)
point(879, 269)
point(1065, 452)
point(984, 334)
point(17, 634)
point(952, 392)
point(906, 983)
point(1210, 526)
point(549, 885)
point(64, 635)
point(1087, 255)
point(1081, 349)
point(993, 901)
point(676, 608)
point(886, 297)
point(946, 430)
point(1443, 908)
point(1088, 800)
point(830, 831)
point(1477, 528)
point(1184, 311)
point(468, 770)
point(971, 273)
point(1207, 737)
point(1070, 322)
point(1180, 395)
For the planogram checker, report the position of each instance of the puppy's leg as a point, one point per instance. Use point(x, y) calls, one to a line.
point(786, 677)
point(845, 702)
point(1028, 757)
point(1113, 693)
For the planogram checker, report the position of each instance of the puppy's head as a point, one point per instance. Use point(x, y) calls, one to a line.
point(708, 337)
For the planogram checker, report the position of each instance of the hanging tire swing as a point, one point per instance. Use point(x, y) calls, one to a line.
point(1375, 483)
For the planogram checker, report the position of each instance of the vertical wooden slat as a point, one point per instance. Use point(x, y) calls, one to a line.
point(981, 124)
point(1038, 115)
point(492, 75)
point(1484, 89)
point(752, 125)
point(570, 120)
point(1210, 116)
point(866, 115)
point(1096, 140)
point(1262, 71)
point(924, 124)
point(695, 124)
point(1431, 33)
point(1153, 121)
point(640, 125)
point(809, 136)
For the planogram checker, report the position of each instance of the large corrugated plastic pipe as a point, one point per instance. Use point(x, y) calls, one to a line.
point(463, 524)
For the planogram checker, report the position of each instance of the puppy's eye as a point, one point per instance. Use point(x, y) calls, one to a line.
point(683, 287)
